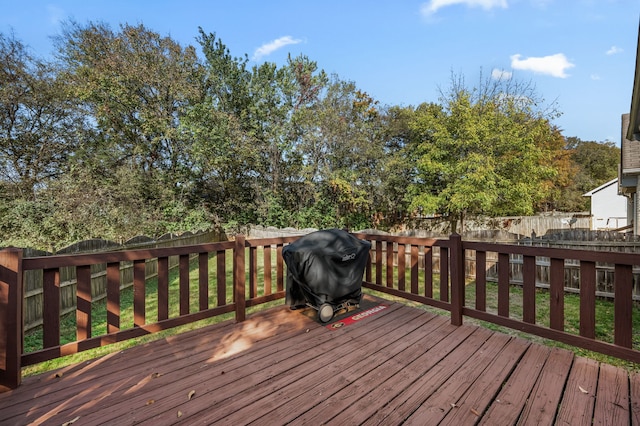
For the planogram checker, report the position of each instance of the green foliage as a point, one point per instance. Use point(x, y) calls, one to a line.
point(129, 133)
point(38, 123)
point(583, 166)
point(484, 151)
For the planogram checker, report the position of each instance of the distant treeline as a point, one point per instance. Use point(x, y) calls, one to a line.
point(127, 132)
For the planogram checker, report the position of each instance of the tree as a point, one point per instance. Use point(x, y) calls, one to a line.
point(342, 147)
point(223, 148)
point(591, 164)
point(483, 151)
point(397, 169)
point(597, 161)
point(137, 86)
point(38, 124)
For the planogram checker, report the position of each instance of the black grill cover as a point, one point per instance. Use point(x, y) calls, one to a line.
point(325, 266)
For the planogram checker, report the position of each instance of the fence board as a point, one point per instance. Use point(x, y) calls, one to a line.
point(51, 305)
point(556, 294)
point(280, 268)
point(267, 269)
point(414, 268)
point(588, 299)
point(379, 262)
point(139, 292)
point(113, 297)
point(203, 281)
point(184, 284)
point(253, 276)
point(481, 281)
point(503, 284)
point(623, 306)
point(529, 290)
point(83, 303)
point(444, 274)
point(221, 278)
point(163, 288)
point(401, 267)
point(389, 265)
point(428, 272)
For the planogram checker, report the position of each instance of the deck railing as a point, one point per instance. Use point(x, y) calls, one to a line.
point(396, 260)
point(399, 266)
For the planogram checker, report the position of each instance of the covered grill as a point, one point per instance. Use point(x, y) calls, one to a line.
point(324, 271)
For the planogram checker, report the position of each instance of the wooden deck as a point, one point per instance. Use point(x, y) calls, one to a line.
point(400, 365)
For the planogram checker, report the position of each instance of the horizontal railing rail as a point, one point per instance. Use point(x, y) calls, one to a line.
point(229, 277)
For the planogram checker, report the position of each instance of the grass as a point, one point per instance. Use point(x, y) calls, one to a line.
point(604, 316)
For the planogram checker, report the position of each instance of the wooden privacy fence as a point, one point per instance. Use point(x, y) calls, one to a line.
point(398, 266)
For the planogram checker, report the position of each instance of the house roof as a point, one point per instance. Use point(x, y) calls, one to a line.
point(601, 187)
point(633, 133)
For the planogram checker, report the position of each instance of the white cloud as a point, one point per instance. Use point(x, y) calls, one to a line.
point(553, 65)
point(432, 6)
point(498, 74)
point(595, 77)
point(272, 46)
point(614, 50)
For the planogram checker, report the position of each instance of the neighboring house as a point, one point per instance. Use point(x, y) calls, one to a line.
point(629, 171)
point(608, 207)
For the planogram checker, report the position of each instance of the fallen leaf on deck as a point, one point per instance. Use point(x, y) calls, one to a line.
point(155, 375)
point(474, 411)
point(151, 401)
point(71, 421)
point(179, 413)
point(58, 375)
point(583, 390)
point(453, 405)
point(191, 395)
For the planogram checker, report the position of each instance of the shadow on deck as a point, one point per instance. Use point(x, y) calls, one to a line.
point(396, 365)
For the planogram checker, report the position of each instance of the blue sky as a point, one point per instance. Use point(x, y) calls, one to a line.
point(579, 53)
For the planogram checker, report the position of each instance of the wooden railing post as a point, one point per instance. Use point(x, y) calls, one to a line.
point(11, 295)
point(456, 264)
point(239, 278)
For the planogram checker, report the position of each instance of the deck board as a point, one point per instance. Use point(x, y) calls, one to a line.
point(402, 365)
point(516, 390)
point(545, 397)
point(577, 406)
point(484, 390)
point(634, 384)
point(612, 404)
